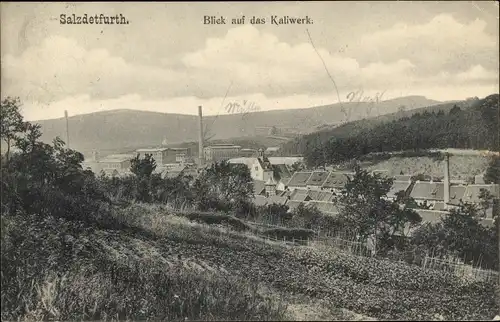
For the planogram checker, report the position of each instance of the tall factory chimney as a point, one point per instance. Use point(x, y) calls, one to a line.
point(67, 128)
point(446, 180)
point(201, 157)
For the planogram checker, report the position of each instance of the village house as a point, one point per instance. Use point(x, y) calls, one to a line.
point(473, 192)
point(220, 152)
point(398, 186)
point(299, 180)
point(316, 180)
point(335, 181)
point(116, 164)
point(165, 155)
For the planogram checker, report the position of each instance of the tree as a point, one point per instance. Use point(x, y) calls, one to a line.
point(46, 179)
point(11, 122)
point(365, 209)
point(223, 185)
point(460, 234)
point(297, 166)
point(143, 168)
point(486, 200)
point(492, 174)
point(455, 110)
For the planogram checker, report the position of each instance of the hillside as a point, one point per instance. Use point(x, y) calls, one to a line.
point(166, 267)
point(464, 125)
point(461, 167)
point(130, 129)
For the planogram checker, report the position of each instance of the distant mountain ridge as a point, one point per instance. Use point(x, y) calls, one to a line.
point(123, 128)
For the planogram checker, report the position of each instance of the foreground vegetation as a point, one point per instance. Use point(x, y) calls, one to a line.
point(166, 267)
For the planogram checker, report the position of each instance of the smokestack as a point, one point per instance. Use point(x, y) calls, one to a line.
point(446, 180)
point(67, 128)
point(201, 157)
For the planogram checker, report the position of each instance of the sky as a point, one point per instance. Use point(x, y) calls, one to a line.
point(167, 60)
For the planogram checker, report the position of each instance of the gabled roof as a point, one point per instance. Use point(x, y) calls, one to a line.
point(473, 191)
point(326, 207)
point(398, 186)
point(317, 178)
point(285, 160)
point(431, 216)
point(258, 187)
point(299, 179)
point(300, 195)
point(428, 190)
point(285, 193)
point(335, 180)
point(293, 204)
point(259, 200)
point(277, 200)
point(320, 195)
point(282, 171)
point(456, 194)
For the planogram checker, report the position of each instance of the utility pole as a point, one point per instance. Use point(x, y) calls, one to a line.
point(201, 157)
point(67, 128)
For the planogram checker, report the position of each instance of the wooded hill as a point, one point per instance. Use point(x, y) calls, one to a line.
point(465, 125)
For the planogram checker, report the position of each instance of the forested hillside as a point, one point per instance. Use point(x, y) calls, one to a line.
point(471, 127)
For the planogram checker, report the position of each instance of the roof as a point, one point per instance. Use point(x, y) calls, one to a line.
point(152, 150)
point(320, 195)
point(117, 158)
point(259, 200)
point(293, 204)
point(300, 195)
point(317, 178)
point(398, 186)
point(264, 163)
point(472, 191)
point(439, 206)
point(249, 162)
point(428, 190)
point(270, 181)
point(272, 149)
point(258, 186)
point(431, 216)
point(299, 179)
point(335, 180)
point(456, 194)
point(285, 160)
point(282, 171)
point(284, 193)
point(325, 207)
point(277, 200)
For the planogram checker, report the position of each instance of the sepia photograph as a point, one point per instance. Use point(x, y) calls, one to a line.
point(250, 161)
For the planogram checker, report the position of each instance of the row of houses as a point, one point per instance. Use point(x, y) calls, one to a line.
point(319, 188)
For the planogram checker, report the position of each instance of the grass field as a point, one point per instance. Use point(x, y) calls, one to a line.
point(165, 266)
point(461, 167)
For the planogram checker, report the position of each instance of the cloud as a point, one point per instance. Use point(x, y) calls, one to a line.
point(257, 61)
point(61, 67)
point(442, 43)
point(60, 73)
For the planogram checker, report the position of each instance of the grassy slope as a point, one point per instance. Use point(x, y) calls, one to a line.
point(169, 268)
point(461, 167)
